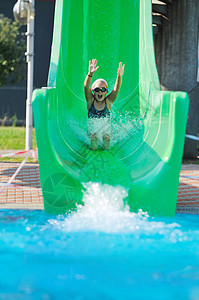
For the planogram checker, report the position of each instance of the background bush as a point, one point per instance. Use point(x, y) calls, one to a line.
point(12, 49)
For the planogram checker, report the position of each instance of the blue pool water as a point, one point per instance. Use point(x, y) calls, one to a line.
point(100, 252)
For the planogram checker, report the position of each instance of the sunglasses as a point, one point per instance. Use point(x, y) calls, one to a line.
point(102, 90)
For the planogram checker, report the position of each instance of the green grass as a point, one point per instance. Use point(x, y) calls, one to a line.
point(13, 138)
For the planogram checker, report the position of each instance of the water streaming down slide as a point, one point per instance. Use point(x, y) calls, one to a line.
point(148, 125)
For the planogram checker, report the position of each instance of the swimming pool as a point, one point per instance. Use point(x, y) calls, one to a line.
point(102, 251)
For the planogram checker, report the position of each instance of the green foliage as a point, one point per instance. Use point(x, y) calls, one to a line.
point(14, 124)
point(12, 48)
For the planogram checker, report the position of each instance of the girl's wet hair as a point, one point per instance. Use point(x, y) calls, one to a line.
point(101, 80)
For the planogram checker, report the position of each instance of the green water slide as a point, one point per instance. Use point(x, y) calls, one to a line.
point(148, 125)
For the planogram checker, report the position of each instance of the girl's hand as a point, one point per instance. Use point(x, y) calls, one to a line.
point(120, 70)
point(92, 66)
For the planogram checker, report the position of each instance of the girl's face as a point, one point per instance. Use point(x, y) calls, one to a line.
point(100, 90)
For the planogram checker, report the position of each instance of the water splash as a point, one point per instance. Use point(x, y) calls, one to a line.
point(120, 127)
point(105, 211)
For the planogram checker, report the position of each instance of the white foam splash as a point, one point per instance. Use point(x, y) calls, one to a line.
point(105, 211)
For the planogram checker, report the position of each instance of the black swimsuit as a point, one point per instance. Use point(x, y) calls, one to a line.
point(95, 113)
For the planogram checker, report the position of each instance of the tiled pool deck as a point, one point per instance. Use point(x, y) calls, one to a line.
point(27, 194)
point(25, 191)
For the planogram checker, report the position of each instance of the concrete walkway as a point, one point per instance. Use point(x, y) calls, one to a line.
point(25, 191)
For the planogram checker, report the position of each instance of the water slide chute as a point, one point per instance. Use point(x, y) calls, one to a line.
point(148, 124)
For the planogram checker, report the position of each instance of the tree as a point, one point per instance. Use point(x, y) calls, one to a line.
point(12, 48)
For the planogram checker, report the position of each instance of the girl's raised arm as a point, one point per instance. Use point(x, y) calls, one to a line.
point(87, 90)
point(118, 83)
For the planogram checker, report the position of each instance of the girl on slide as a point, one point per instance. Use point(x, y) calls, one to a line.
point(99, 104)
